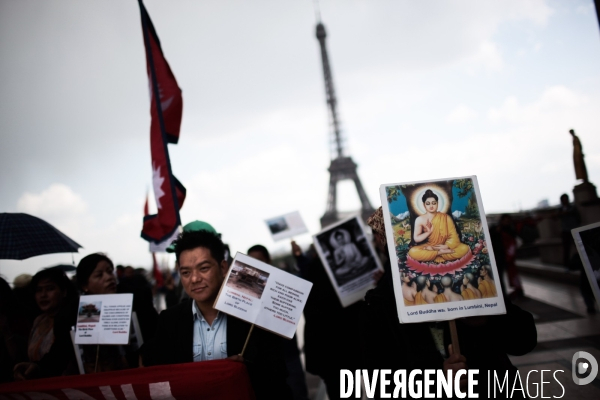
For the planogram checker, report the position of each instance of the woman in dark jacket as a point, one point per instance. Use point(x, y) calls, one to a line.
point(50, 350)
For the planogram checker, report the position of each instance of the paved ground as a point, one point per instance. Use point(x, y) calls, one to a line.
point(563, 327)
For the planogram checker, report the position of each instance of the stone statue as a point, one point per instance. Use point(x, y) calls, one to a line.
point(580, 170)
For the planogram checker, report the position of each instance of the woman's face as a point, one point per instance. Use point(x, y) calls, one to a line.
point(465, 280)
point(102, 280)
point(431, 205)
point(48, 296)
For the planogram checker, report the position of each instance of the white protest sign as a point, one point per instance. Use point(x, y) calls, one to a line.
point(104, 319)
point(286, 226)
point(443, 264)
point(587, 239)
point(349, 259)
point(263, 295)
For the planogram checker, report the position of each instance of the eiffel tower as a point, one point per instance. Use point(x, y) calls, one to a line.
point(342, 167)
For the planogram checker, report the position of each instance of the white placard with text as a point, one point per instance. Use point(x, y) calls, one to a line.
point(263, 295)
point(104, 319)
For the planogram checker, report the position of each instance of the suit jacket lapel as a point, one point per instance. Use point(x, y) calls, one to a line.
point(237, 331)
point(185, 335)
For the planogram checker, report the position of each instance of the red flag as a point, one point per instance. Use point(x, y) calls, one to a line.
point(166, 107)
point(158, 278)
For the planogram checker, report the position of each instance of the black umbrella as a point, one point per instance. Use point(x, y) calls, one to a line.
point(23, 236)
point(64, 267)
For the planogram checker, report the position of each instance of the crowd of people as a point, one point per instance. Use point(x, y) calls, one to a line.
point(36, 320)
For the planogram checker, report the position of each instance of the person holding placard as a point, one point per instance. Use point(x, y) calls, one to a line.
point(96, 276)
point(296, 379)
point(485, 341)
point(195, 331)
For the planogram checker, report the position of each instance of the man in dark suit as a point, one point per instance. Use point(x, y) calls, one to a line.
point(195, 331)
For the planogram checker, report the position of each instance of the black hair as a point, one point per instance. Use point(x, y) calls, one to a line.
point(87, 265)
point(58, 277)
point(189, 240)
point(429, 193)
point(261, 249)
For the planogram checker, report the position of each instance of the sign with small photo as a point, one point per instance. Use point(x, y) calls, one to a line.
point(587, 240)
point(349, 259)
point(286, 226)
point(104, 319)
point(443, 264)
point(263, 295)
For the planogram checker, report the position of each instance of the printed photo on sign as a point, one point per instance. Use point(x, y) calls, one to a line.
point(247, 279)
point(286, 226)
point(277, 225)
point(349, 259)
point(104, 319)
point(89, 311)
point(587, 239)
point(263, 295)
point(438, 237)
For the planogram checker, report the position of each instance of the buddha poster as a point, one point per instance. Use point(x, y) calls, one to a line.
point(442, 260)
point(349, 259)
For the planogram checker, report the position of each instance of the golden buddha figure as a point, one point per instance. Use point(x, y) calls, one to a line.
point(438, 232)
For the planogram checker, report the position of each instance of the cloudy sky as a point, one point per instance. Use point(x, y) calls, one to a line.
point(426, 90)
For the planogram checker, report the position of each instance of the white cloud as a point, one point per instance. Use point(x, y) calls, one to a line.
point(554, 101)
point(58, 205)
point(461, 114)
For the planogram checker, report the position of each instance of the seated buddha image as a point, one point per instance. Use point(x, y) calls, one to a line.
point(437, 236)
point(346, 255)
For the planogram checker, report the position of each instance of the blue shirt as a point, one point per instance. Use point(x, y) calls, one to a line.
point(210, 342)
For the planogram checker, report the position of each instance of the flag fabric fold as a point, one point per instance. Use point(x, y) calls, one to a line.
point(166, 108)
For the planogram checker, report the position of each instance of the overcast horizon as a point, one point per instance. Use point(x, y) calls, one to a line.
point(426, 90)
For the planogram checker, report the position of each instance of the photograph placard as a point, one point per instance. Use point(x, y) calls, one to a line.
point(263, 295)
point(286, 226)
point(104, 319)
point(587, 240)
point(443, 263)
point(349, 259)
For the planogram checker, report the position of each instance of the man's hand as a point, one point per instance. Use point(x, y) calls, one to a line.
point(25, 370)
point(455, 363)
point(296, 250)
point(237, 358)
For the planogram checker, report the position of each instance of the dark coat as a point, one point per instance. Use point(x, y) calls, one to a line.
point(385, 343)
point(330, 334)
point(172, 344)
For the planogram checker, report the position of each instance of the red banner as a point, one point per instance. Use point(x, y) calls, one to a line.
point(166, 108)
point(220, 379)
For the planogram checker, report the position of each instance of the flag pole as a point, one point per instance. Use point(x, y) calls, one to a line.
point(247, 339)
point(454, 337)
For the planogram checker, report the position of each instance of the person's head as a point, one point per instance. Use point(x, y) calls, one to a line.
point(430, 201)
point(422, 282)
point(96, 274)
point(128, 272)
point(50, 287)
point(22, 281)
point(446, 282)
point(201, 263)
point(505, 220)
point(260, 252)
point(572, 132)
point(564, 199)
point(339, 238)
point(468, 278)
point(486, 270)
